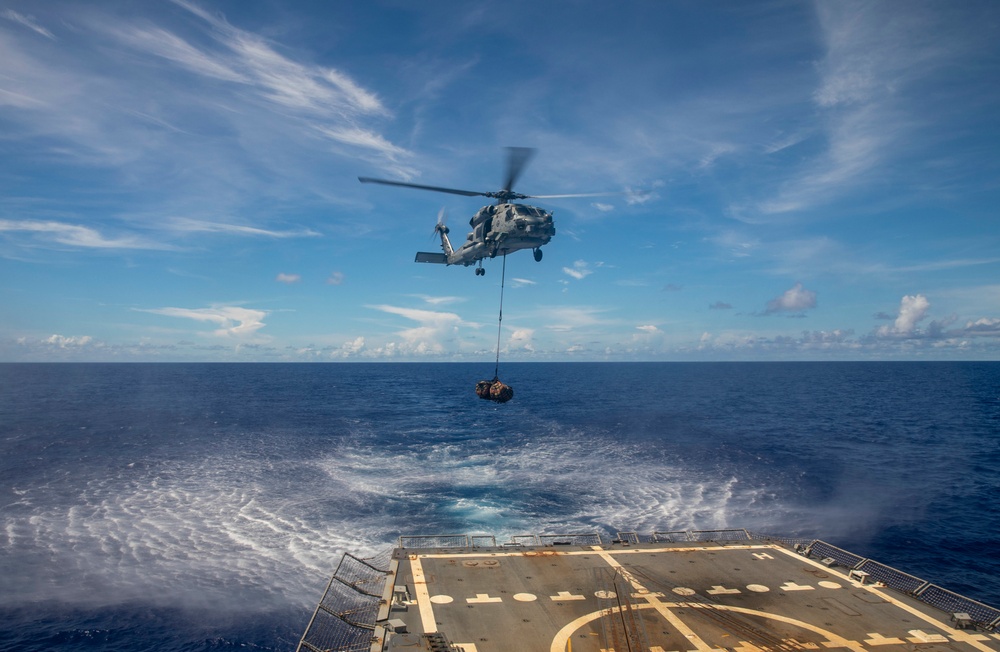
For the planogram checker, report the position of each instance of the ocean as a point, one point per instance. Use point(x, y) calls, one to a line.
point(204, 506)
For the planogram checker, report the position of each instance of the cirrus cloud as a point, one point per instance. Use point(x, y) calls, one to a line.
point(233, 321)
point(76, 235)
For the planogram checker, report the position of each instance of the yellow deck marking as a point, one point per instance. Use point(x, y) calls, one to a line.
point(721, 590)
point(572, 553)
point(744, 646)
point(919, 636)
point(482, 598)
point(833, 640)
point(877, 639)
point(959, 635)
point(423, 596)
point(559, 643)
point(655, 603)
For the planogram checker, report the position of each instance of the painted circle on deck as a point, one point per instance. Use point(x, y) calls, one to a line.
point(683, 590)
point(829, 585)
point(606, 595)
point(525, 597)
point(442, 599)
point(757, 588)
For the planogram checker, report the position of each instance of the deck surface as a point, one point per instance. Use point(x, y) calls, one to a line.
point(740, 596)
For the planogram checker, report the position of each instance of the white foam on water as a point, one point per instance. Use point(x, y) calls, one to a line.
point(209, 533)
point(248, 532)
point(567, 480)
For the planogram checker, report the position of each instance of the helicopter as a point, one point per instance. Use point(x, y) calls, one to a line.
point(499, 228)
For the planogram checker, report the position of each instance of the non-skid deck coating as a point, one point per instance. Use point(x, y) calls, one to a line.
point(657, 597)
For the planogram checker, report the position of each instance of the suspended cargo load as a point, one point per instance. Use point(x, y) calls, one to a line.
point(494, 390)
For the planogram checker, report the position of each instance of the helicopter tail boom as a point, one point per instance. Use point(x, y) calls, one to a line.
point(427, 257)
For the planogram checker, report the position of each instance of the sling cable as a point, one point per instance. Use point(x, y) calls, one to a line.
point(494, 390)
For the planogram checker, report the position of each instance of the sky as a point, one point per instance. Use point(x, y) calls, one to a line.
point(786, 180)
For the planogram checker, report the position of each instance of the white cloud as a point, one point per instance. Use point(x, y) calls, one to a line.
point(579, 270)
point(738, 244)
point(350, 349)
point(874, 57)
point(27, 21)
point(795, 299)
point(66, 342)
point(164, 44)
point(76, 235)
point(639, 196)
point(521, 282)
point(604, 208)
point(437, 301)
point(365, 139)
point(715, 151)
point(429, 338)
point(912, 310)
point(649, 329)
point(568, 318)
point(288, 278)
point(984, 326)
point(336, 278)
point(187, 225)
point(233, 321)
point(251, 60)
point(197, 110)
point(521, 339)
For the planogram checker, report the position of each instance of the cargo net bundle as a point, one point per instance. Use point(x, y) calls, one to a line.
point(344, 620)
point(494, 390)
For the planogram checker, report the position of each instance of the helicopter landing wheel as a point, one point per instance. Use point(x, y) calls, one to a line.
point(538, 255)
point(480, 271)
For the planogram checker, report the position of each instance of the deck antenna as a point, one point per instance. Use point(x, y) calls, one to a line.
point(503, 276)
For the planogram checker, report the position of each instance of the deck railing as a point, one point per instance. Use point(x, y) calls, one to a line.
point(345, 617)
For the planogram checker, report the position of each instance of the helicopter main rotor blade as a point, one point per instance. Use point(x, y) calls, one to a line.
point(582, 194)
point(517, 158)
point(466, 193)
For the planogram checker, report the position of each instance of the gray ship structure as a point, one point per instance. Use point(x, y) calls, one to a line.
point(694, 591)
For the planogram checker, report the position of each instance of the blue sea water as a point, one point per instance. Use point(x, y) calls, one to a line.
point(204, 506)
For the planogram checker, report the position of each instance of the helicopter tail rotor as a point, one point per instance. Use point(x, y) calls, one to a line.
point(441, 227)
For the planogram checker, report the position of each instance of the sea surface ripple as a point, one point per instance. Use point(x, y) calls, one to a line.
point(203, 506)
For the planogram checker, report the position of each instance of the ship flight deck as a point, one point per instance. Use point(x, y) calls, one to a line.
point(734, 595)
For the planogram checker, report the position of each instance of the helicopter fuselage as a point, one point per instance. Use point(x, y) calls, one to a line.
point(502, 228)
point(496, 229)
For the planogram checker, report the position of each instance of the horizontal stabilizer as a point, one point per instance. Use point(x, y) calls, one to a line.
point(425, 257)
